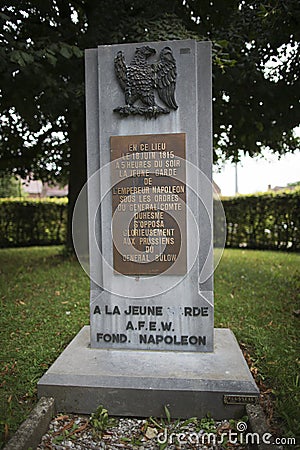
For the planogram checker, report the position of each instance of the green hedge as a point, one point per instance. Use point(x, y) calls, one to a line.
point(264, 221)
point(32, 222)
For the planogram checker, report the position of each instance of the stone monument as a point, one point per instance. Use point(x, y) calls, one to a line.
point(151, 341)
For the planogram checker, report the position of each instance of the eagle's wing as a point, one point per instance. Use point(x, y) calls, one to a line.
point(165, 77)
point(120, 69)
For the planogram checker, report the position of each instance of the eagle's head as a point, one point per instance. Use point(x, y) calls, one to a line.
point(146, 51)
point(166, 54)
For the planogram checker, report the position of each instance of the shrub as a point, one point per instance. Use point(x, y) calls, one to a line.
point(32, 222)
point(10, 186)
point(264, 221)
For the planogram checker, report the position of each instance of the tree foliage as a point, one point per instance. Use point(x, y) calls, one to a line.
point(255, 73)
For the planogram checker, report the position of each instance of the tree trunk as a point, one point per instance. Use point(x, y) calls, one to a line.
point(78, 172)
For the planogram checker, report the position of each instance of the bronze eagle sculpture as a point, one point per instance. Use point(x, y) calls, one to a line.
point(139, 80)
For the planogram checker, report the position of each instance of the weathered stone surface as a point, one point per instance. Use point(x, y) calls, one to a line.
point(32, 429)
point(139, 383)
point(258, 425)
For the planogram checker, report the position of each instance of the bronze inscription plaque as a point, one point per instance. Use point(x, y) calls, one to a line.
point(148, 174)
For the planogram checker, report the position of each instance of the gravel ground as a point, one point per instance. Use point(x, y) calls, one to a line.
point(76, 432)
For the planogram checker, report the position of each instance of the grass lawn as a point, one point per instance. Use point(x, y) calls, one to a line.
point(45, 302)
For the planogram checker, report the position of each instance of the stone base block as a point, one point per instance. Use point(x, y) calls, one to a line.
point(140, 383)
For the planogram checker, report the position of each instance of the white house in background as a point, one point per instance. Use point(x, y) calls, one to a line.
point(281, 188)
point(38, 189)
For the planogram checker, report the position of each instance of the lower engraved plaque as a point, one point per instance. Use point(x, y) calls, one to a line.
point(240, 399)
point(149, 204)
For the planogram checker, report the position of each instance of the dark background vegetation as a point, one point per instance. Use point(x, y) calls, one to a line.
point(42, 76)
